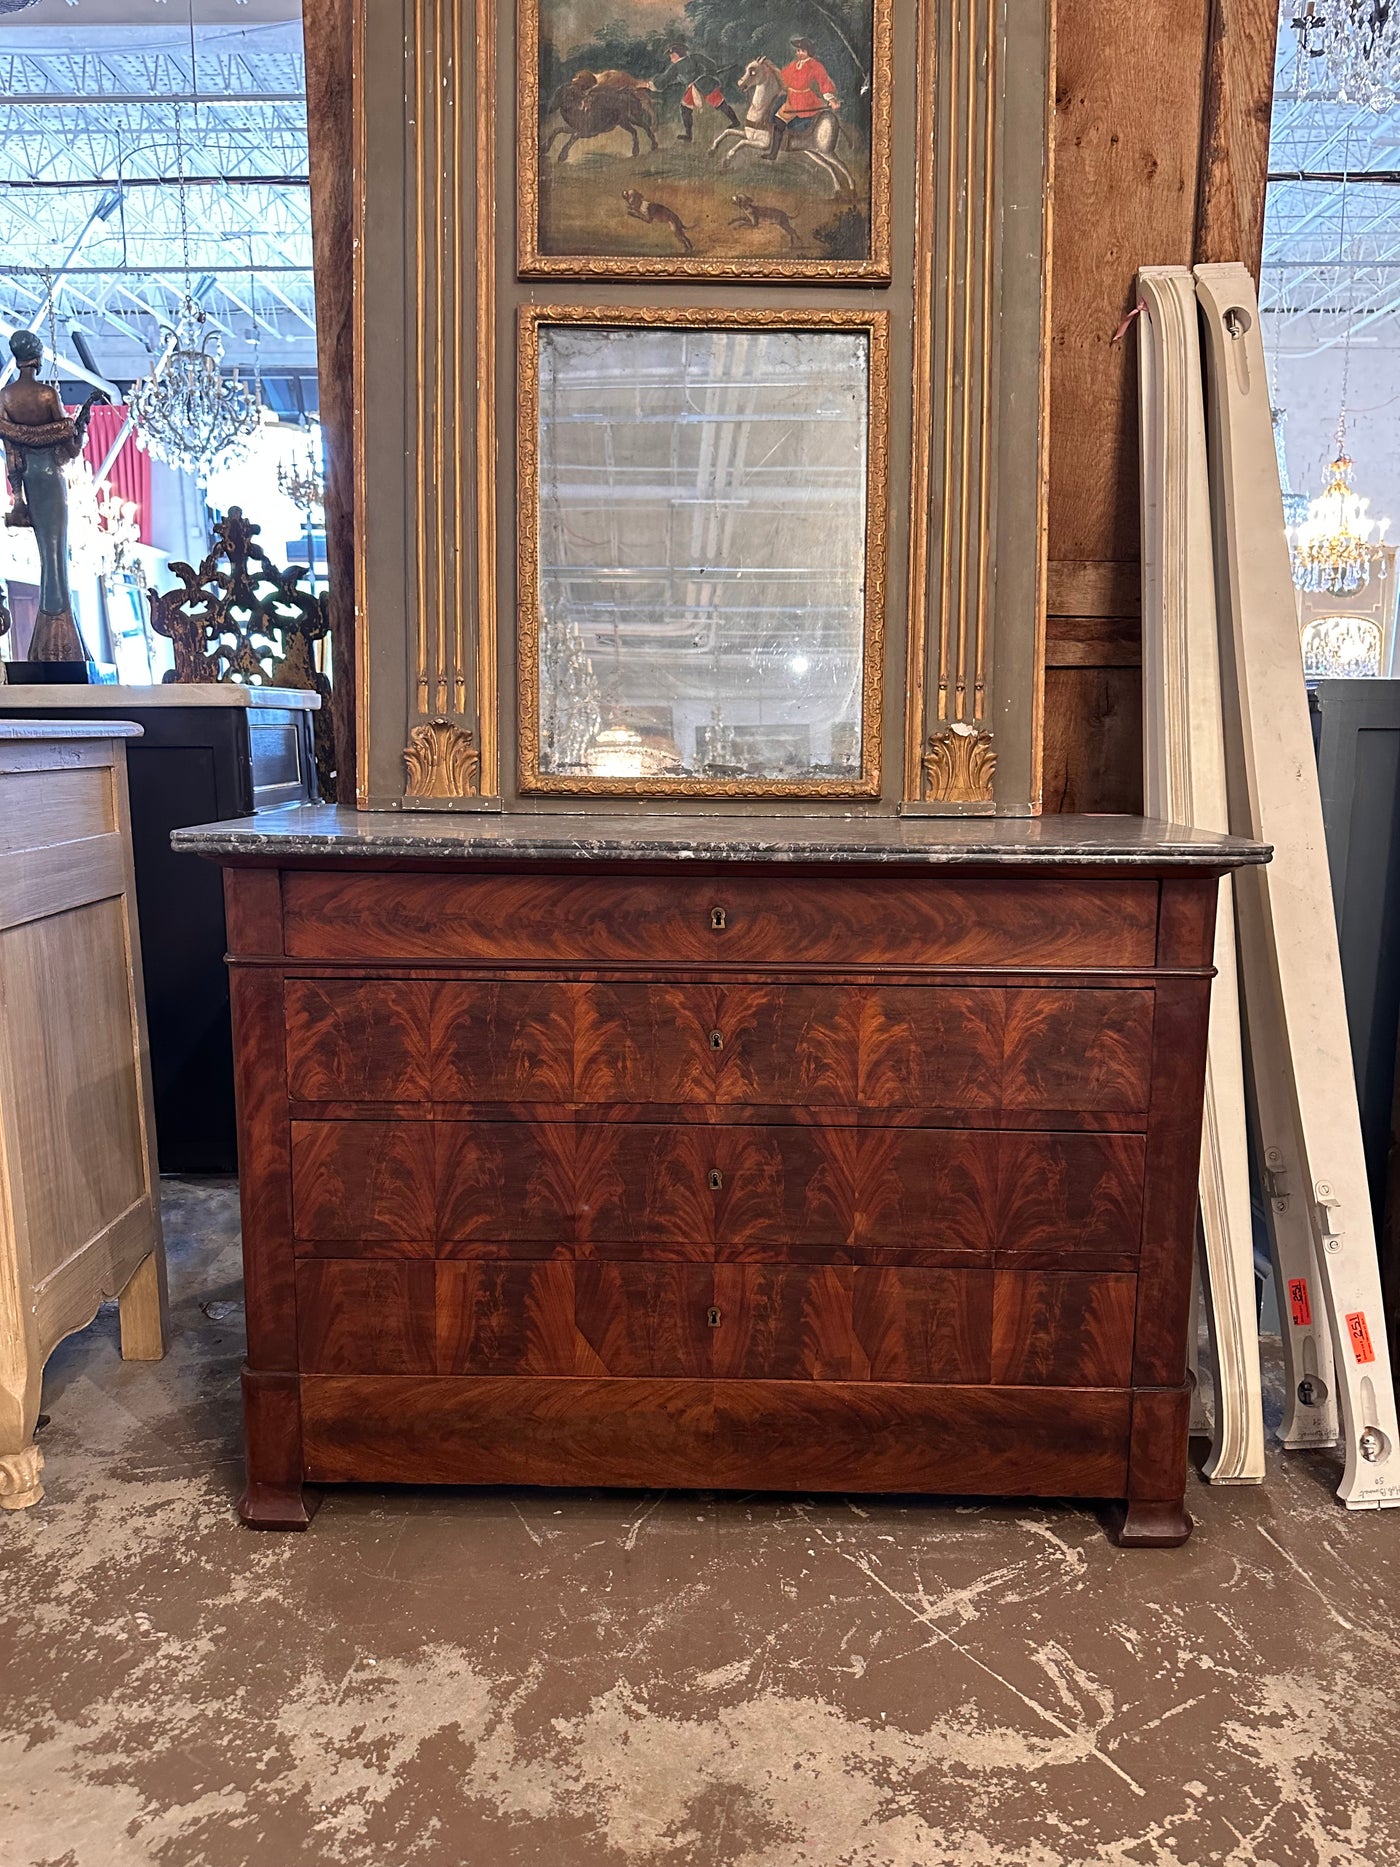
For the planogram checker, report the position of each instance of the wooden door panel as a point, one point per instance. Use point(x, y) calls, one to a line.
point(504, 1183)
point(497, 1319)
point(1063, 1329)
point(352, 1041)
point(782, 1323)
point(1074, 1195)
point(365, 1318)
point(932, 1047)
point(365, 1186)
point(923, 1326)
point(927, 1189)
point(1089, 1050)
point(503, 1042)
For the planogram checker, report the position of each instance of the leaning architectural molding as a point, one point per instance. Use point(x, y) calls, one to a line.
point(1296, 1017)
point(1184, 782)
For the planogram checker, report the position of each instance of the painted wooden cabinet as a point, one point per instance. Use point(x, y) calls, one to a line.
point(724, 1153)
point(79, 1204)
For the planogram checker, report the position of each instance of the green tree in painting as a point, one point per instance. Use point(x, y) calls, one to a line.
point(614, 47)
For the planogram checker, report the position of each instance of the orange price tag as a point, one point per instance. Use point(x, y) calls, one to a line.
point(1302, 1307)
point(1360, 1337)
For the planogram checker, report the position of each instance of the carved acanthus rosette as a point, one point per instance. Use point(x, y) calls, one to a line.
point(960, 766)
point(442, 760)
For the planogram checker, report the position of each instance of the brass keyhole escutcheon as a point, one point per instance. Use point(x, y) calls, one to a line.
point(714, 1318)
point(719, 920)
point(716, 1040)
point(716, 1179)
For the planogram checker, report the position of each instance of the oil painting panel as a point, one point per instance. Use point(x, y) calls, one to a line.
point(673, 139)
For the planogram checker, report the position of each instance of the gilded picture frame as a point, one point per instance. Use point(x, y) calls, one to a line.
point(780, 170)
point(864, 783)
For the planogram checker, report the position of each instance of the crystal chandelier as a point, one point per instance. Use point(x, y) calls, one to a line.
point(1350, 50)
point(1342, 648)
point(1332, 552)
point(304, 481)
point(103, 528)
point(188, 413)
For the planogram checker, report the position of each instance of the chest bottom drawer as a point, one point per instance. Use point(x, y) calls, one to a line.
point(716, 1321)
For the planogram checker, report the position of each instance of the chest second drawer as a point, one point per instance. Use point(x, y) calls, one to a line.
point(460, 1189)
point(975, 1048)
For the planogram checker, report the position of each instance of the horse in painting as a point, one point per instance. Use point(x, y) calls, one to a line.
point(817, 138)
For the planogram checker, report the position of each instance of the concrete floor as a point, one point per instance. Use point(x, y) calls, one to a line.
point(603, 1680)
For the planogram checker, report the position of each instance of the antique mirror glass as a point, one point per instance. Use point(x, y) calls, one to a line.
point(701, 592)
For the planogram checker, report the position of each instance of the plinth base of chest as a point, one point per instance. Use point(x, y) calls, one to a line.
point(716, 1435)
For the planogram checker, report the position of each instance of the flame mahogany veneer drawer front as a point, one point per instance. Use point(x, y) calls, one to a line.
point(728, 920)
point(980, 1049)
point(724, 1322)
point(541, 1189)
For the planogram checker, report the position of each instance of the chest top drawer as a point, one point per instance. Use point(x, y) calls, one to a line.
point(727, 919)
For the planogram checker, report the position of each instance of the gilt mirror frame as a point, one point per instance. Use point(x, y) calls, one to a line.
point(531, 158)
point(875, 325)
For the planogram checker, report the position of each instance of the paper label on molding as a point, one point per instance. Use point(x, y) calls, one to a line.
point(1302, 1306)
point(1360, 1337)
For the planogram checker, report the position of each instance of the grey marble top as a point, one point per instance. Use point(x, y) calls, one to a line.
point(322, 830)
point(70, 729)
point(61, 697)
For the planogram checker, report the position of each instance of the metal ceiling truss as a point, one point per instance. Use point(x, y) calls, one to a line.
point(95, 130)
point(1332, 229)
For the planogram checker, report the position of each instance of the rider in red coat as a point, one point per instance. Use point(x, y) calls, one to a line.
point(810, 91)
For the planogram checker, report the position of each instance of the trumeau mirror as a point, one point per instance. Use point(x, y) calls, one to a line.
point(700, 402)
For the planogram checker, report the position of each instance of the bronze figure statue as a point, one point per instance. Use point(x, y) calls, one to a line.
point(40, 439)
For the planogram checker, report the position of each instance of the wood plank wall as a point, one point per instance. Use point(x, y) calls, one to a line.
point(1161, 152)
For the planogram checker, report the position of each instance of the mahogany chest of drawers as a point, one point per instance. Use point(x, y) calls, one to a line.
point(862, 1164)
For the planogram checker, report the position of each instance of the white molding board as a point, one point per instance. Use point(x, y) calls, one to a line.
point(1184, 782)
point(1295, 1012)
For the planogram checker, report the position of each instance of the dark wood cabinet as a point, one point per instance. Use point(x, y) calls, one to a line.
point(870, 1177)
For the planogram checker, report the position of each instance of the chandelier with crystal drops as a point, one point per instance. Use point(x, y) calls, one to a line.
point(303, 482)
point(1350, 50)
point(1332, 551)
point(187, 412)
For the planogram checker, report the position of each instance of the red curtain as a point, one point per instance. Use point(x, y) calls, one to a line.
point(130, 473)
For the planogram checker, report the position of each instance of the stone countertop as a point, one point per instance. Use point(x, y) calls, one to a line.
point(320, 831)
point(60, 697)
point(69, 729)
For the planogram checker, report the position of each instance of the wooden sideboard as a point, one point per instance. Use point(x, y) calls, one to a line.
point(79, 1202)
point(856, 1156)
